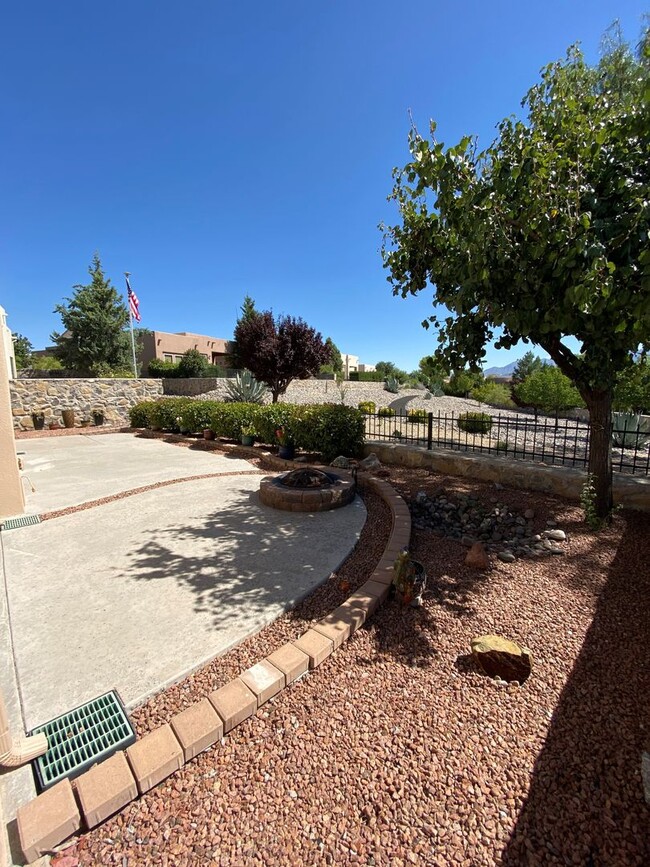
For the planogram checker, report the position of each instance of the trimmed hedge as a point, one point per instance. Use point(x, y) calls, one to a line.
point(366, 376)
point(474, 422)
point(385, 412)
point(331, 429)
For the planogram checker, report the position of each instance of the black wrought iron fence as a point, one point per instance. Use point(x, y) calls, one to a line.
point(561, 442)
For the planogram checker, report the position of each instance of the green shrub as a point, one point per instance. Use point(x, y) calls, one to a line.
point(416, 416)
point(140, 414)
point(165, 413)
point(366, 376)
point(461, 383)
point(474, 422)
point(331, 429)
point(227, 419)
point(192, 364)
point(368, 407)
point(492, 393)
point(162, 369)
point(273, 416)
point(197, 415)
point(548, 389)
point(385, 412)
point(397, 434)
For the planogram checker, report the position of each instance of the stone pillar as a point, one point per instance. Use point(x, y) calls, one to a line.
point(12, 501)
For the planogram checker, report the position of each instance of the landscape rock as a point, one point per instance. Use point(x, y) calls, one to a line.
point(341, 462)
point(370, 463)
point(556, 535)
point(477, 557)
point(506, 556)
point(501, 658)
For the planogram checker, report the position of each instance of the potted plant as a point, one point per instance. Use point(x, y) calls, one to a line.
point(286, 445)
point(248, 434)
point(68, 417)
point(38, 420)
point(208, 433)
point(98, 417)
point(410, 579)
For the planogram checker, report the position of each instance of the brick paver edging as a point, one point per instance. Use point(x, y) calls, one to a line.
point(107, 787)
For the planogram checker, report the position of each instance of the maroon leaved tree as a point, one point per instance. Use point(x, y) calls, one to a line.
point(277, 351)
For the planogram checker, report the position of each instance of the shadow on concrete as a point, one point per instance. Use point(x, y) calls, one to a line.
point(247, 557)
point(586, 793)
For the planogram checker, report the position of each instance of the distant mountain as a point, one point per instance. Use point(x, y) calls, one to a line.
point(508, 369)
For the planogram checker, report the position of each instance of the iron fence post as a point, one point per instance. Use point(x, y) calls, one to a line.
point(429, 431)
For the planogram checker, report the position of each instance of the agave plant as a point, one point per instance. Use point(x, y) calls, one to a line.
point(246, 389)
point(391, 385)
point(630, 430)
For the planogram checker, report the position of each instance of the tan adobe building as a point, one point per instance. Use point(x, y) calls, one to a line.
point(171, 347)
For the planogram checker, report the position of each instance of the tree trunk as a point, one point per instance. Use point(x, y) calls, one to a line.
point(599, 404)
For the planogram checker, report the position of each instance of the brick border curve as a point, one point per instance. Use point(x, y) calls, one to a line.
point(50, 818)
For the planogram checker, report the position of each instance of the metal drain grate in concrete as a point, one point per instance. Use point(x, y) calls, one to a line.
point(23, 521)
point(82, 737)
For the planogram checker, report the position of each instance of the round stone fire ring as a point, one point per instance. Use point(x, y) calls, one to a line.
point(307, 490)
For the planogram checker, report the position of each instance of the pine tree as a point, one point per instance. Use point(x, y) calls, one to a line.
point(94, 319)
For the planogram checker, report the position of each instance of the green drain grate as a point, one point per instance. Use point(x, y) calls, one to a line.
point(82, 737)
point(23, 521)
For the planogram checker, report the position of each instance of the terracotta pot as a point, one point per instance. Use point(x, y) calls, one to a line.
point(208, 434)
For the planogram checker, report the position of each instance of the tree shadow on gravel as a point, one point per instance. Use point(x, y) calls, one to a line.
point(585, 803)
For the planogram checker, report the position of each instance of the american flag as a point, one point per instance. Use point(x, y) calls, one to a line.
point(134, 304)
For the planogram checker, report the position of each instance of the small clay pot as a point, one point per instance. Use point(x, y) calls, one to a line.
point(208, 434)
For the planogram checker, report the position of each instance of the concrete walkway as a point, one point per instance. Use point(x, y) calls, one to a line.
point(134, 593)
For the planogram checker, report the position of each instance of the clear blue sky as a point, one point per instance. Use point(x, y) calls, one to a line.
point(216, 149)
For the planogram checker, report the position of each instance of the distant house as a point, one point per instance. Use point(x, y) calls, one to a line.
point(171, 347)
point(351, 365)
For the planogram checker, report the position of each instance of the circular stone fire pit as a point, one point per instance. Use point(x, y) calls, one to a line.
point(307, 490)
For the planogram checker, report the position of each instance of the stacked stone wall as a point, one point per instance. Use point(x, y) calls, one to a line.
point(113, 397)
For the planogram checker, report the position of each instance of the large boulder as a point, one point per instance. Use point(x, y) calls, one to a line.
point(499, 657)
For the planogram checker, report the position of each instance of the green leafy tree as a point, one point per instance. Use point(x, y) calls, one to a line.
point(22, 351)
point(548, 389)
point(336, 364)
point(94, 320)
point(45, 362)
point(277, 351)
point(461, 382)
point(632, 389)
point(388, 369)
point(193, 364)
point(544, 234)
point(432, 372)
point(526, 365)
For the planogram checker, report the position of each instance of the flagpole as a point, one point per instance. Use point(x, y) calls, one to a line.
point(135, 366)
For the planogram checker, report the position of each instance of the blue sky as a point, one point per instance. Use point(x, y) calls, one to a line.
point(218, 149)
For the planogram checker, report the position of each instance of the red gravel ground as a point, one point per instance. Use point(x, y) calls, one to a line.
point(397, 751)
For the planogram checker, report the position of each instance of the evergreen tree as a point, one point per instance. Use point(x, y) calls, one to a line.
point(335, 365)
point(526, 365)
point(94, 320)
point(248, 312)
point(22, 351)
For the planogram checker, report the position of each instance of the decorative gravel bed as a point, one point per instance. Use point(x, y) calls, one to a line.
point(396, 751)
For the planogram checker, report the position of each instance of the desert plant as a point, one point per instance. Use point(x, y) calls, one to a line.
point(630, 430)
point(249, 429)
point(246, 389)
point(474, 422)
point(416, 416)
point(397, 434)
point(368, 407)
point(391, 385)
point(385, 412)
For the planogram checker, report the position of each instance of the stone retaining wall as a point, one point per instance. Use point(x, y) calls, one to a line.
point(51, 396)
point(633, 492)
